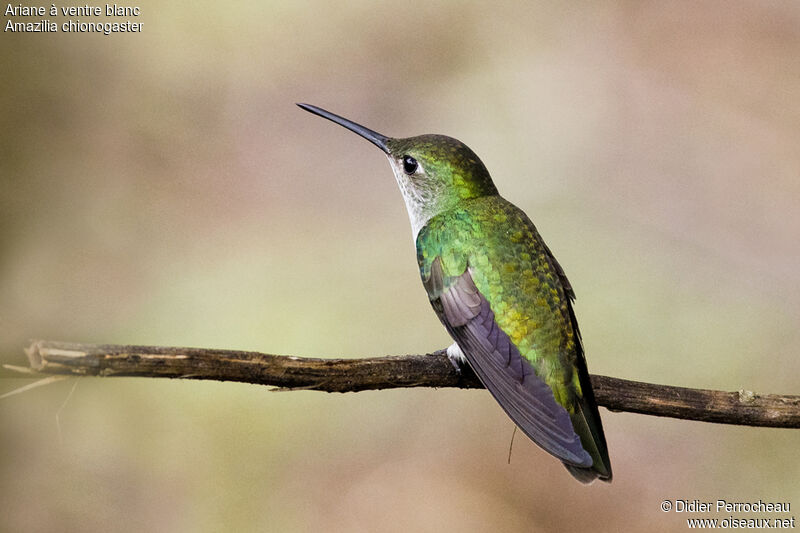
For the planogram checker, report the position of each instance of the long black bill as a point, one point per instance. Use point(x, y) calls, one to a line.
point(372, 136)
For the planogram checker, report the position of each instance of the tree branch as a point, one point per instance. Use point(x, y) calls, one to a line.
point(431, 370)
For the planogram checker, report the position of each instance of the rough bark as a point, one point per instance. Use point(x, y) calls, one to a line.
point(431, 370)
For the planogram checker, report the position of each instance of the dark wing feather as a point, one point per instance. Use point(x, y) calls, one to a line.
point(510, 378)
point(586, 419)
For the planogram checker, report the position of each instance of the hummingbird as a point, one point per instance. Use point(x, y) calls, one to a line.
point(500, 293)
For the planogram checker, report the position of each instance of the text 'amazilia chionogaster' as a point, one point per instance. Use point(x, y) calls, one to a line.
point(500, 293)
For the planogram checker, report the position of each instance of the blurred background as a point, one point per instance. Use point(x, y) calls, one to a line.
point(162, 188)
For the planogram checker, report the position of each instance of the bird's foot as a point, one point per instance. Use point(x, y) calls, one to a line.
point(456, 357)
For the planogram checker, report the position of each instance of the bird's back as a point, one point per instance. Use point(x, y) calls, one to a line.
point(499, 248)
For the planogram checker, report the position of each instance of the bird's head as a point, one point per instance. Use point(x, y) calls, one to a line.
point(434, 172)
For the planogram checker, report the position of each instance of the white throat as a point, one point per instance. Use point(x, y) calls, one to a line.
point(418, 206)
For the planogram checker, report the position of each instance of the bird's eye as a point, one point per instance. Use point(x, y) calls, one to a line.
point(409, 164)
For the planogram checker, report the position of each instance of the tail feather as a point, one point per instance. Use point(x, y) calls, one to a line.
point(586, 421)
point(584, 475)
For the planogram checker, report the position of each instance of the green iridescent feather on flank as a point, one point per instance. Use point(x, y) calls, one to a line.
point(511, 267)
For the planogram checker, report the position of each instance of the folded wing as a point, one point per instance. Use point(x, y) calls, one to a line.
point(510, 378)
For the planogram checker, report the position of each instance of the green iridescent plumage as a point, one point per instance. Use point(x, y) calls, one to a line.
point(512, 269)
point(500, 293)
